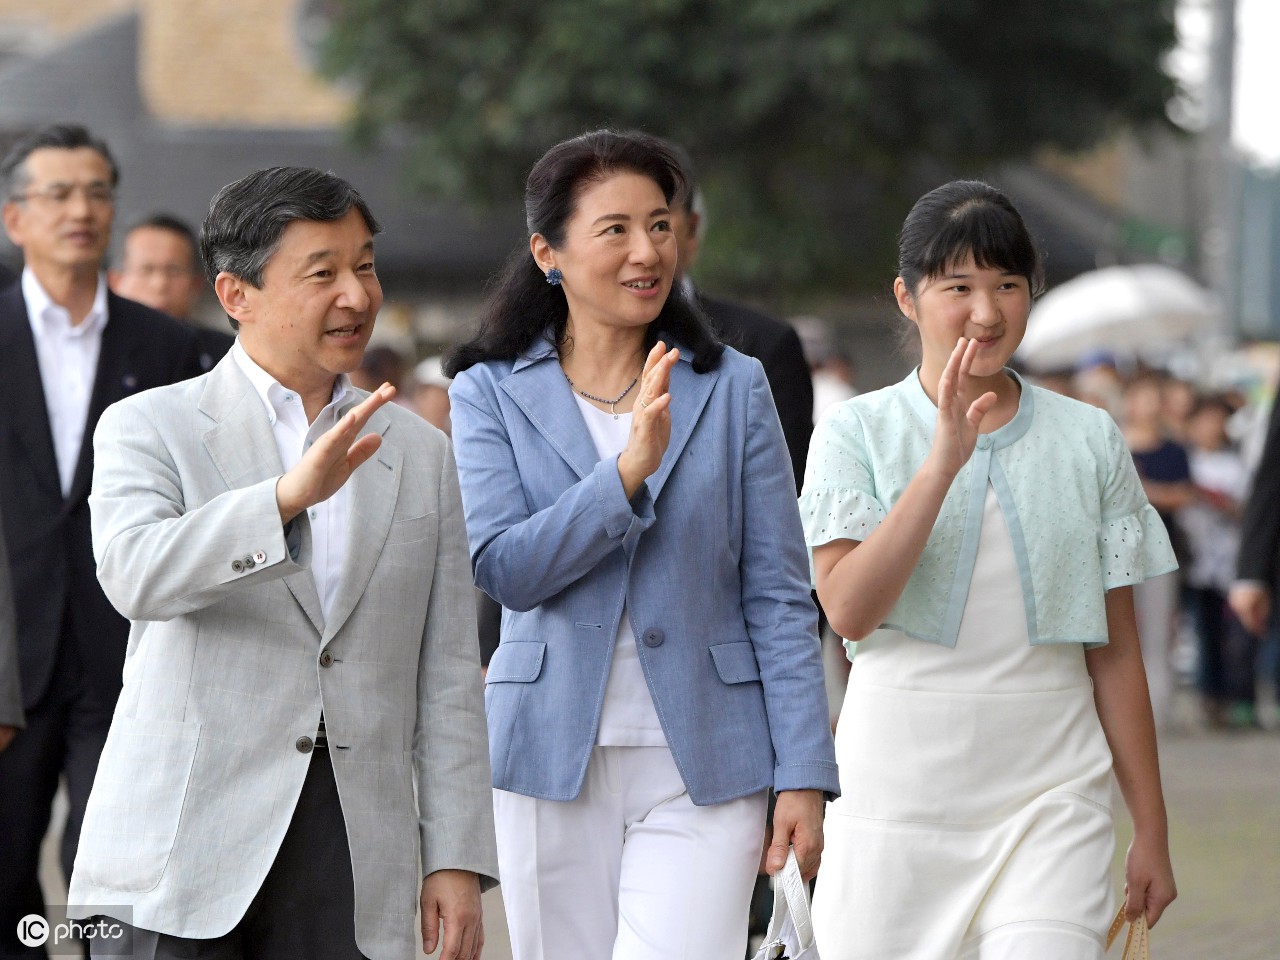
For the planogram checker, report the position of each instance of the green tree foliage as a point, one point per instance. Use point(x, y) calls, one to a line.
point(790, 107)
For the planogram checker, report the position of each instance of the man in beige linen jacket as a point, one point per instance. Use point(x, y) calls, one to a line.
point(298, 756)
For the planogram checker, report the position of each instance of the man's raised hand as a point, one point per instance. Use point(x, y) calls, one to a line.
point(332, 459)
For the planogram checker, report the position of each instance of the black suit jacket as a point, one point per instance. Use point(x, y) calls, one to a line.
point(50, 553)
point(213, 345)
point(1260, 526)
point(777, 346)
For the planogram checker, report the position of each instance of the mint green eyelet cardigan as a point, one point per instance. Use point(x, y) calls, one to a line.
point(1066, 484)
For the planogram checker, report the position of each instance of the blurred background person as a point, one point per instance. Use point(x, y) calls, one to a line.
point(160, 268)
point(1097, 381)
point(1178, 399)
point(778, 348)
point(429, 393)
point(1166, 479)
point(772, 342)
point(12, 718)
point(70, 349)
point(830, 370)
point(1211, 522)
point(381, 364)
point(1252, 593)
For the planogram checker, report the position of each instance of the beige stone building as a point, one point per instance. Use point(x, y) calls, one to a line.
point(241, 63)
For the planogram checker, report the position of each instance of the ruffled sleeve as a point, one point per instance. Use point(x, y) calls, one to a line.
point(839, 500)
point(1133, 543)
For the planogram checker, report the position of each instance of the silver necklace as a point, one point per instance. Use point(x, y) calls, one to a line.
point(612, 403)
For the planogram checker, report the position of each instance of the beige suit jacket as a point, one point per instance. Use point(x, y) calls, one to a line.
point(230, 663)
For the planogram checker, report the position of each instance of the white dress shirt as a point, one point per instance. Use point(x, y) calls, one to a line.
point(294, 437)
point(68, 359)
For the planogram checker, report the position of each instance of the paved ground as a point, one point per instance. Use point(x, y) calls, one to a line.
point(1223, 794)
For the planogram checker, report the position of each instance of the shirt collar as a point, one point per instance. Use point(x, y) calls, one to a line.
point(46, 316)
point(277, 398)
point(1011, 431)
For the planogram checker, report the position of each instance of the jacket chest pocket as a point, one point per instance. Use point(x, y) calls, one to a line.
point(412, 542)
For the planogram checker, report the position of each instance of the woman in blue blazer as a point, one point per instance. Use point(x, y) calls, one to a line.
point(629, 503)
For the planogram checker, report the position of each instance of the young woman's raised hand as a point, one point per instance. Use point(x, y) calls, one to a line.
point(956, 434)
point(650, 420)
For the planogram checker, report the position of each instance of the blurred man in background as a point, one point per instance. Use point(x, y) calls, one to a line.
point(756, 334)
point(161, 269)
point(70, 349)
point(12, 718)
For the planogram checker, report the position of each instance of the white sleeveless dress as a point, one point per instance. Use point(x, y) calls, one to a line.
point(975, 819)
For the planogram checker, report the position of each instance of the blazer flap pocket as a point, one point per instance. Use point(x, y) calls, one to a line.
point(516, 661)
point(736, 662)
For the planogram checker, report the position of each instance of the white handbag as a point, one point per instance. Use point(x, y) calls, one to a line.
point(790, 935)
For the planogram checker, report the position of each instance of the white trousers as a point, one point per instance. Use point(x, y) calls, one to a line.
point(631, 869)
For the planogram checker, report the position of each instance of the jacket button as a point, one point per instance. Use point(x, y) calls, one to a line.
point(326, 659)
point(654, 637)
point(248, 563)
point(984, 442)
point(237, 566)
point(304, 744)
point(259, 556)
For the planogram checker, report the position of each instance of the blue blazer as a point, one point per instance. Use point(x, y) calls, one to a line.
point(708, 558)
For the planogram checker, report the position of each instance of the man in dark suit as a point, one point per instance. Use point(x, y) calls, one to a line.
point(1258, 565)
point(777, 346)
point(69, 348)
point(774, 343)
point(12, 718)
point(160, 268)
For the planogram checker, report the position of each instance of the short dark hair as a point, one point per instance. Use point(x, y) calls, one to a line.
point(966, 218)
point(522, 305)
point(59, 136)
point(170, 224)
point(247, 218)
point(689, 195)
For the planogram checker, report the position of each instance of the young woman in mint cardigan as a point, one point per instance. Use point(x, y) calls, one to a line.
point(978, 539)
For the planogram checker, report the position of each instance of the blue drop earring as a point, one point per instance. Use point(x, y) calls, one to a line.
point(555, 277)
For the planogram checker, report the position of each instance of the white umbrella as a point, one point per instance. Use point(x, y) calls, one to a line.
point(1121, 309)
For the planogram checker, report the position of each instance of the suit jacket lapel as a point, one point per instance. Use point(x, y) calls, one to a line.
point(373, 489)
point(538, 387)
point(689, 394)
point(23, 392)
point(244, 450)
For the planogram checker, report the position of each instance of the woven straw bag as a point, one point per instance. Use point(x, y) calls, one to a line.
point(1137, 945)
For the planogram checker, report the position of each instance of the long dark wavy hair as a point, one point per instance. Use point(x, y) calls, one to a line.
point(522, 305)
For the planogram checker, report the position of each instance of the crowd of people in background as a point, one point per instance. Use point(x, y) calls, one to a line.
point(1197, 449)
